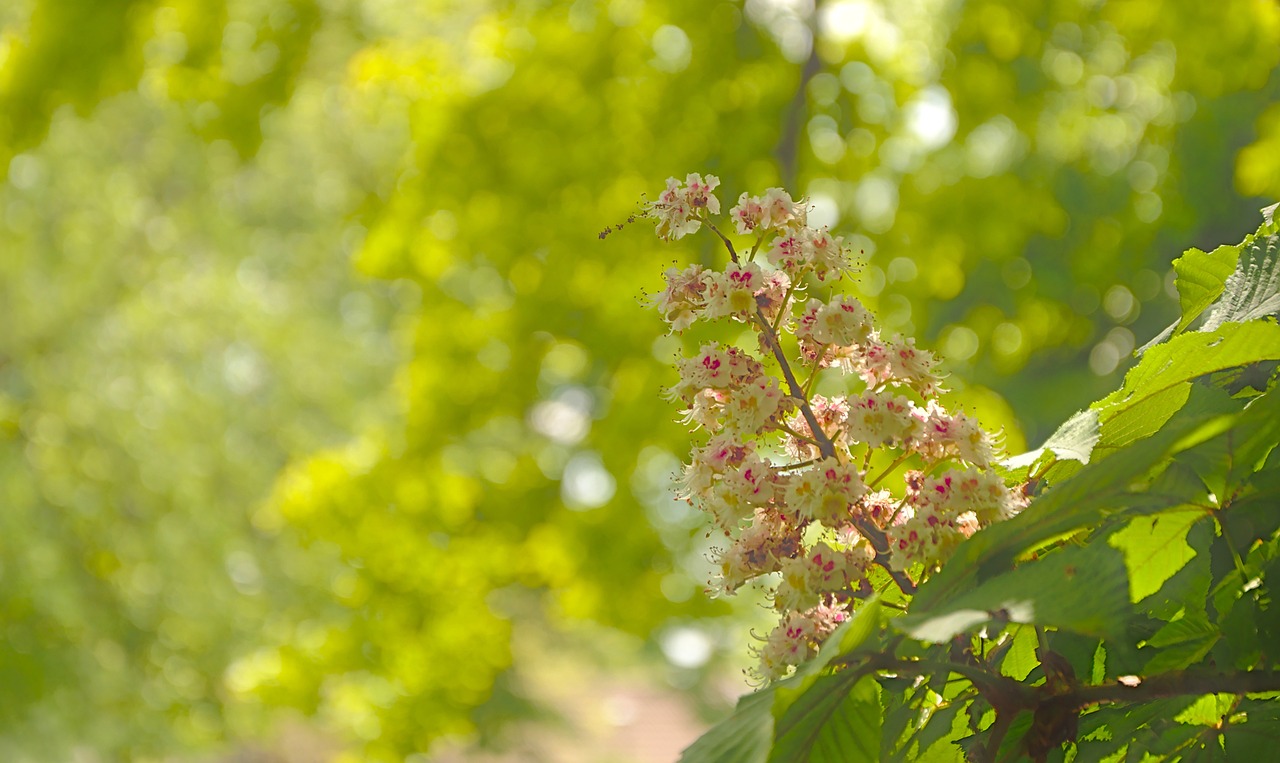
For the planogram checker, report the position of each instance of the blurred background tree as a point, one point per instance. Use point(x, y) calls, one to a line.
point(320, 398)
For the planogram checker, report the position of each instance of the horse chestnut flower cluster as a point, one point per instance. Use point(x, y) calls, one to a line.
point(785, 475)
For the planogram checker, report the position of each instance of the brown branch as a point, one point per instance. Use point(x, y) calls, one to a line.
point(1009, 698)
point(1057, 710)
point(827, 449)
point(1179, 683)
point(1056, 704)
point(825, 446)
point(905, 583)
point(1001, 691)
point(733, 253)
point(986, 753)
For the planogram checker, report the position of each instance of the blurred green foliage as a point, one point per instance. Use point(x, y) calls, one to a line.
point(474, 437)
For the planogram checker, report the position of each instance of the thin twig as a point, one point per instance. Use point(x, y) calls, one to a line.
point(755, 247)
point(817, 366)
point(825, 446)
point(897, 510)
point(999, 690)
point(889, 470)
point(795, 434)
point(789, 467)
point(733, 253)
point(782, 310)
point(1175, 684)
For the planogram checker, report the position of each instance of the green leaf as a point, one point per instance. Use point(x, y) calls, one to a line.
point(1073, 440)
point(1226, 463)
point(1046, 591)
point(1193, 626)
point(1122, 723)
point(1259, 737)
point(1252, 515)
point(803, 701)
point(1208, 710)
point(1240, 645)
point(848, 637)
point(743, 737)
point(1189, 587)
point(746, 735)
point(1013, 745)
point(1206, 748)
point(1255, 740)
point(1165, 739)
point(1099, 672)
point(902, 699)
point(1188, 356)
point(1200, 278)
point(1099, 751)
point(838, 719)
point(1143, 419)
point(1182, 643)
point(937, 741)
point(1155, 549)
point(1269, 618)
point(1256, 437)
point(1021, 659)
point(1240, 282)
point(1238, 468)
point(1253, 290)
point(1075, 502)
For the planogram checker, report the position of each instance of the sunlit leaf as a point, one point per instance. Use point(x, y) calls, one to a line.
point(1207, 710)
point(1253, 290)
point(1154, 549)
point(1142, 419)
point(937, 741)
point(1021, 658)
point(1073, 440)
point(1200, 278)
point(1188, 356)
point(1072, 503)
